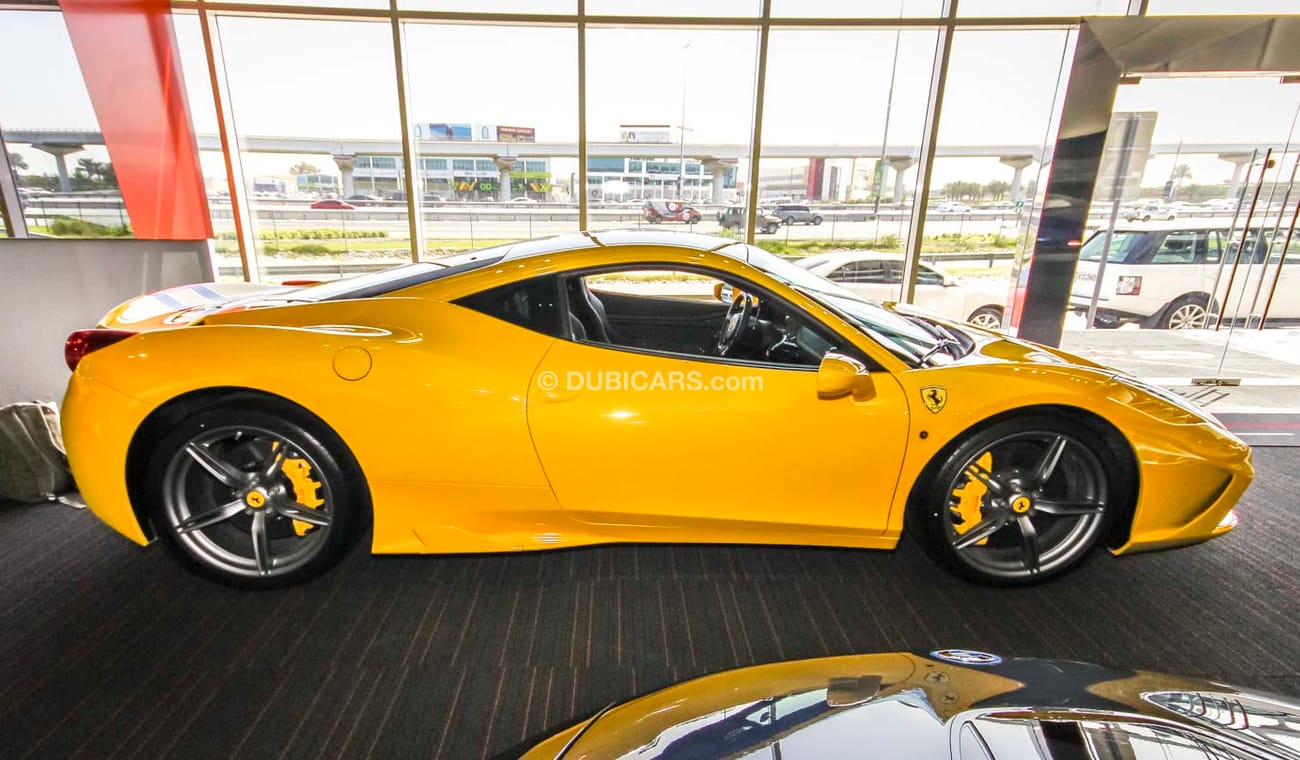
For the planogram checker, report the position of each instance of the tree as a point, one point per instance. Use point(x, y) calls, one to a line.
point(997, 189)
point(302, 167)
point(17, 162)
point(1181, 172)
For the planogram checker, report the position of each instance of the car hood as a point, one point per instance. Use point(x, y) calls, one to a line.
point(941, 704)
point(186, 304)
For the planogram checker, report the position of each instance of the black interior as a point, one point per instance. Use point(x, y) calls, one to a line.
point(773, 333)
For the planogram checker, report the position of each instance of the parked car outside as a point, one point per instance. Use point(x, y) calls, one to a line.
point(332, 204)
point(523, 199)
point(364, 197)
point(1149, 211)
point(875, 274)
point(794, 213)
point(657, 211)
point(952, 207)
point(733, 218)
point(1161, 275)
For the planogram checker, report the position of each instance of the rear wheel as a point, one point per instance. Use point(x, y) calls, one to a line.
point(256, 497)
point(788, 220)
point(816, 220)
point(988, 317)
point(1019, 502)
point(1187, 313)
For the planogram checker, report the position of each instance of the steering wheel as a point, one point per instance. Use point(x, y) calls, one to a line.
point(735, 323)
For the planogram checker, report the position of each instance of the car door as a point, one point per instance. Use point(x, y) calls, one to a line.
point(869, 278)
point(691, 446)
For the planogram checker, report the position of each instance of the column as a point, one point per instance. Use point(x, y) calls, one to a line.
point(1239, 161)
point(719, 171)
point(900, 164)
point(1019, 164)
point(505, 164)
point(60, 153)
point(346, 163)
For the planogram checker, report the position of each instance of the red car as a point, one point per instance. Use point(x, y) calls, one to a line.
point(332, 203)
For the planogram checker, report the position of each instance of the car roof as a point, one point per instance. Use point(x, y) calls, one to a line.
point(609, 238)
point(1161, 225)
point(843, 257)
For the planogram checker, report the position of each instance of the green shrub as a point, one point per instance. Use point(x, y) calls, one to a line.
point(310, 248)
point(64, 226)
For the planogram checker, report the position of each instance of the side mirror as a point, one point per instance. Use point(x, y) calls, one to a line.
point(724, 292)
point(839, 376)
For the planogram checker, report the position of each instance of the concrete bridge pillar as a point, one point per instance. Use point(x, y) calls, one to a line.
point(719, 171)
point(1239, 163)
point(506, 164)
point(1019, 164)
point(346, 163)
point(900, 164)
point(60, 151)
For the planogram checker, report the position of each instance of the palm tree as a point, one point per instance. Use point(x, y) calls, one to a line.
point(17, 162)
point(302, 167)
point(997, 189)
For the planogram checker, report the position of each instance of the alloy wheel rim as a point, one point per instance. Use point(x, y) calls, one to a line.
point(986, 320)
point(1025, 505)
point(1189, 316)
point(230, 500)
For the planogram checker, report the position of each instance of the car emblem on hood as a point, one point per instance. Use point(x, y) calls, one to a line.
point(934, 397)
point(966, 657)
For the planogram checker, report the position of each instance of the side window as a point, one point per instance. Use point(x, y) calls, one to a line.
point(926, 276)
point(675, 311)
point(863, 271)
point(1213, 247)
point(1177, 248)
point(531, 304)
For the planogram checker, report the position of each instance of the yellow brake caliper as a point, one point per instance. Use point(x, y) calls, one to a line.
point(298, 471)
point(969, 498)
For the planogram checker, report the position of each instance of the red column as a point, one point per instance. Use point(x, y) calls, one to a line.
point(127, 53)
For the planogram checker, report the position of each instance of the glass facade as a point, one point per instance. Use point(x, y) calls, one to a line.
point(63, 171)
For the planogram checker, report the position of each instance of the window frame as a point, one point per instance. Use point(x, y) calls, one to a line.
point(840, 344)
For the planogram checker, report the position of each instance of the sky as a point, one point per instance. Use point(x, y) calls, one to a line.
point(335, 79)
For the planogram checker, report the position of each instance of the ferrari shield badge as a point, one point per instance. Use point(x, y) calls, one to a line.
point(934, 398)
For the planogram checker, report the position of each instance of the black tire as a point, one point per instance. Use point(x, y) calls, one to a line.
point(771, 229)
point(789, 220)
point(241, 435)
point(987, 317)
point(817, 220)
point(1061, 542)
point(1106, 323)
point(1183, 313)
point(1146, 217)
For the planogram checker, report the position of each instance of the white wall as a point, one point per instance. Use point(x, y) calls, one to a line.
point(48, 288)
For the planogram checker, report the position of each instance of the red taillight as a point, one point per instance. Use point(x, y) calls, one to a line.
point(83, 342)
point(300, 283)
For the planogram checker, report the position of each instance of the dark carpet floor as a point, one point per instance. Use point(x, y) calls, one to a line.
point(107, 650)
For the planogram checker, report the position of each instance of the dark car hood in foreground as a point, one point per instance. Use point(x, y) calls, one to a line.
point(945, 704)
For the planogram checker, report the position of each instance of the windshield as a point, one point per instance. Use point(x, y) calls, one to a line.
point(405, 276)
point(910, 337)
point(1123, 246)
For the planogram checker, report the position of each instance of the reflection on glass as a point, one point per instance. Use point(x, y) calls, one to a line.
point(303, 124)
point(995, 135)
point(1056, 8)
point(1220, 8)
point(839, 155)
point(66, 181)
point(496, 143)
point(674, 149)
point(857, 8)
point(490, 6)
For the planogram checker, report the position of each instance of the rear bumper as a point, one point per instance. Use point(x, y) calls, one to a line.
point(98, 425)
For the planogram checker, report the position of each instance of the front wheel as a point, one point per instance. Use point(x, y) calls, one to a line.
point(256, 497)
point(816, 220)
point(771, 228)
point(1019, 502)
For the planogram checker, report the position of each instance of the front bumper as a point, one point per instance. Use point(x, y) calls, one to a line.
point(1188, 496)
point(98, 425)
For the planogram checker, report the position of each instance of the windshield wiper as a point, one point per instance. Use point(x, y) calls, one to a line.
point(943, 345)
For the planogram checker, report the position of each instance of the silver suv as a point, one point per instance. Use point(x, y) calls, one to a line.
point(733, 218)
point(790, 213)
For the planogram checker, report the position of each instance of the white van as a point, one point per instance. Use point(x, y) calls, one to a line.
point(1161, 275)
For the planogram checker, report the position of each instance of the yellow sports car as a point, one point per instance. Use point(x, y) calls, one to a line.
point(612, 387)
